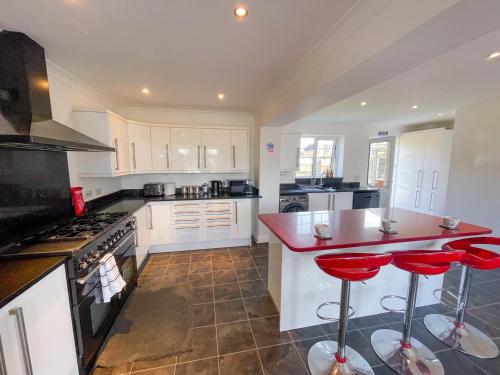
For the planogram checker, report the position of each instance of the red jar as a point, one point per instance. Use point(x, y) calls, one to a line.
point(78, 202)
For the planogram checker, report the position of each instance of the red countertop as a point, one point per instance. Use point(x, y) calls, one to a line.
point(354, 228)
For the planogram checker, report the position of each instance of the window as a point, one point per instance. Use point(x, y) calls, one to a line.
point(378, 164)
point(317, 155)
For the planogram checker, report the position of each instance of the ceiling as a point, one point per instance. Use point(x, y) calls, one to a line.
point(184, 51)
point(456, 79)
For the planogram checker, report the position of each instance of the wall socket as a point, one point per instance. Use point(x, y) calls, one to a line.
point(88, 194)
point(98, 191)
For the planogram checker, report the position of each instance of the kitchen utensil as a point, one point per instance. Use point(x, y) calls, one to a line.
point(170, 188)
point(216, 187)
point(78, 202)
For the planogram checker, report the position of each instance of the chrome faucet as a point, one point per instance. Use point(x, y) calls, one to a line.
point(321, 178)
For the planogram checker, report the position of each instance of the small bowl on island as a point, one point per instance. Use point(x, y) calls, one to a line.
point(450, 222)
point(322, 231)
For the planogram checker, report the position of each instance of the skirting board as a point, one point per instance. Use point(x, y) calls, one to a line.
point(199, 245)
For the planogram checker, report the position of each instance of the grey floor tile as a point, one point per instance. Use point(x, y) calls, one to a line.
point(282, 360)
point(248, 274)
point(243, 263)
point(235, 337)
point(201, 279)
point(255, 288)
point(368, 321)
point(304, 346)
point(203, 294)
point(170, 280)
point(224, 277)
point(204, 345)
point(490, 366)
point(230, 311)
point(203, 315)
point(178, 269)
point(181, 258)
point(306, 333)
point(203, 266)
point(146, 365)
point(455, 363)
point(267, 332)
point(200, 256)
point(224, 264)
point(244, 363)
point(207, 366)
point(225, 292)
point(260, 307)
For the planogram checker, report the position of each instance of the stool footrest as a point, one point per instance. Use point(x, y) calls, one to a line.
point(322, 317)
point(392, 296)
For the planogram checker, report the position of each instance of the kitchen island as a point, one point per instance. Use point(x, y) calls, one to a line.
point(298, 286)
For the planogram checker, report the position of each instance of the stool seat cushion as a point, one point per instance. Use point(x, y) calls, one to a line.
point(425, 262)
point(352, 266)
point(475, 256)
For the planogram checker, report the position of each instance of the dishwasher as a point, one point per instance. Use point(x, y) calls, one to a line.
point(366, 199)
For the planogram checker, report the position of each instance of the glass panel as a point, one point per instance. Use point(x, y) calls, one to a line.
point(322, 165)
point(378, 164)
point(305, 167)
point(325, 148)
point(307, 147)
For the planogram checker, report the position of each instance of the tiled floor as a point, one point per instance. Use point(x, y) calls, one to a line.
point(236, 324)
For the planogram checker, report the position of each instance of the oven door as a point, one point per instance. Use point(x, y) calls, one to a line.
point(93, 318)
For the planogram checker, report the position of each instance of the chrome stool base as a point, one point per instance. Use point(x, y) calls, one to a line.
point(417, 360)
point(467, 339)
point(321, 361)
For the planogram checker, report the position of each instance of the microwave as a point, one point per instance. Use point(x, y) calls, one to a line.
point(240, 187)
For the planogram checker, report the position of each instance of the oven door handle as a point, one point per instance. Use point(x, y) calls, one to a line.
point(84, 279)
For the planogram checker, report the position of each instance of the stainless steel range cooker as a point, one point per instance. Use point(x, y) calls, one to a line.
point(86, 240)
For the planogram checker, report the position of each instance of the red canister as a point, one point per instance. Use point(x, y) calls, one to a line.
point(78, 202)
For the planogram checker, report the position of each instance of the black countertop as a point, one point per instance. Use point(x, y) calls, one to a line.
point(20, 274)
point(293, 191)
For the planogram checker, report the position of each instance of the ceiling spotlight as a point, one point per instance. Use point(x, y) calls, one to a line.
point(415, 107)
point(363, 104)
point(440, 114)
point(240, 12)
point(493, 55)
point(145, 90)
point(220, 96)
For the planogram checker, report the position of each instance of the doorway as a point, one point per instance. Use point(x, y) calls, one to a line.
point(381, 166)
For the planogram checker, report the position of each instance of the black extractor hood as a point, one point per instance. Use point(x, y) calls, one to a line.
point(25, 112)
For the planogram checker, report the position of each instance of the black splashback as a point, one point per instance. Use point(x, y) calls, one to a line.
point(34, 192)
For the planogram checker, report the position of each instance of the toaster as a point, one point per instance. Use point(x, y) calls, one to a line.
point(154, 189)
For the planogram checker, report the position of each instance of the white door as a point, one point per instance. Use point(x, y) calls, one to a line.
point(239, 152)
point(45, 310)
point(160, 148)
point(242, 212)
point(216, 150)
point(290, 151)
point(341, 201)
point(143, 238)
point(161, 233)
point(410, 171)
point(140, 148)
point(432, 160)
point(381, 166)
point(119, 140)
point(186, 149)
point(319, 201)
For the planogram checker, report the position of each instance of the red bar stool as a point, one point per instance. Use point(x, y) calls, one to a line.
point(454, 331)
point(332, 357)
point(400, 351)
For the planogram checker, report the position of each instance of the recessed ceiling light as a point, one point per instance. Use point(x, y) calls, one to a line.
point(220, 96)
point(240, 12)
point(363, 104)
point(145, 90)
point(493, 55)
point(440, 114)
point(415, 107)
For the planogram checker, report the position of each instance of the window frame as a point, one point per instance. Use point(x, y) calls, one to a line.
point(333, 160)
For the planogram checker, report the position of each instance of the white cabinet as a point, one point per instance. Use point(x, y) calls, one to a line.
point(422, 170)
point(242, 213)
point(239, 150)
point(330, 201)
point(48, 339)
point(143, 227)
point(216, 150)
point(110, 129)
point(218, 218)
point(290, 151)
point(160, 148)
point(186, 149)
point(161, 223)
point(187, 222)
point(139, 136)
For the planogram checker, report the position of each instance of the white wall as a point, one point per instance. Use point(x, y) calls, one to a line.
point(474, 180)
point(67, 92)
point(188, 117)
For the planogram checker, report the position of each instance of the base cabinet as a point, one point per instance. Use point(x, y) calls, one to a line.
point(48, 340)
point(143, 224)
point(242, 218)
point(330, 201)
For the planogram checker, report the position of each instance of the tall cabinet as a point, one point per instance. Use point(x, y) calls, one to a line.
point(422, 167)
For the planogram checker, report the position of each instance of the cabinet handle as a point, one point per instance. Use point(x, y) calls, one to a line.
point(205, 156)
point(298, 157)
point(150, 217)
point(417, 199)
point(435, 176)
point(136, 232)
point(329, 199)
point(199, 157)
point(3, 367)
point(234, 156)
point(186, 212)
point(193, 226)
point(21, 327)
point(333, 202)
point(184, 220)
point(218, 225)
point(116, 155)
point(236, 212)
point(167, 157)
point(420, 174)
point(431, 202)
point(133, 155)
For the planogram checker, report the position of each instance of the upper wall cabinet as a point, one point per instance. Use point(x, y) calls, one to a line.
point(239, 150)
point(186, 149)
point(139, 136)
point(161, 148)
point(110, 129)
point(216, 150)
point(290, 152)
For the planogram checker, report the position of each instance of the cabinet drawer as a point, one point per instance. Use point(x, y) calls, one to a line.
point(182, 209)
point(218, 208)
point(218, 230)
point(187, 232)
point(181, 220)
